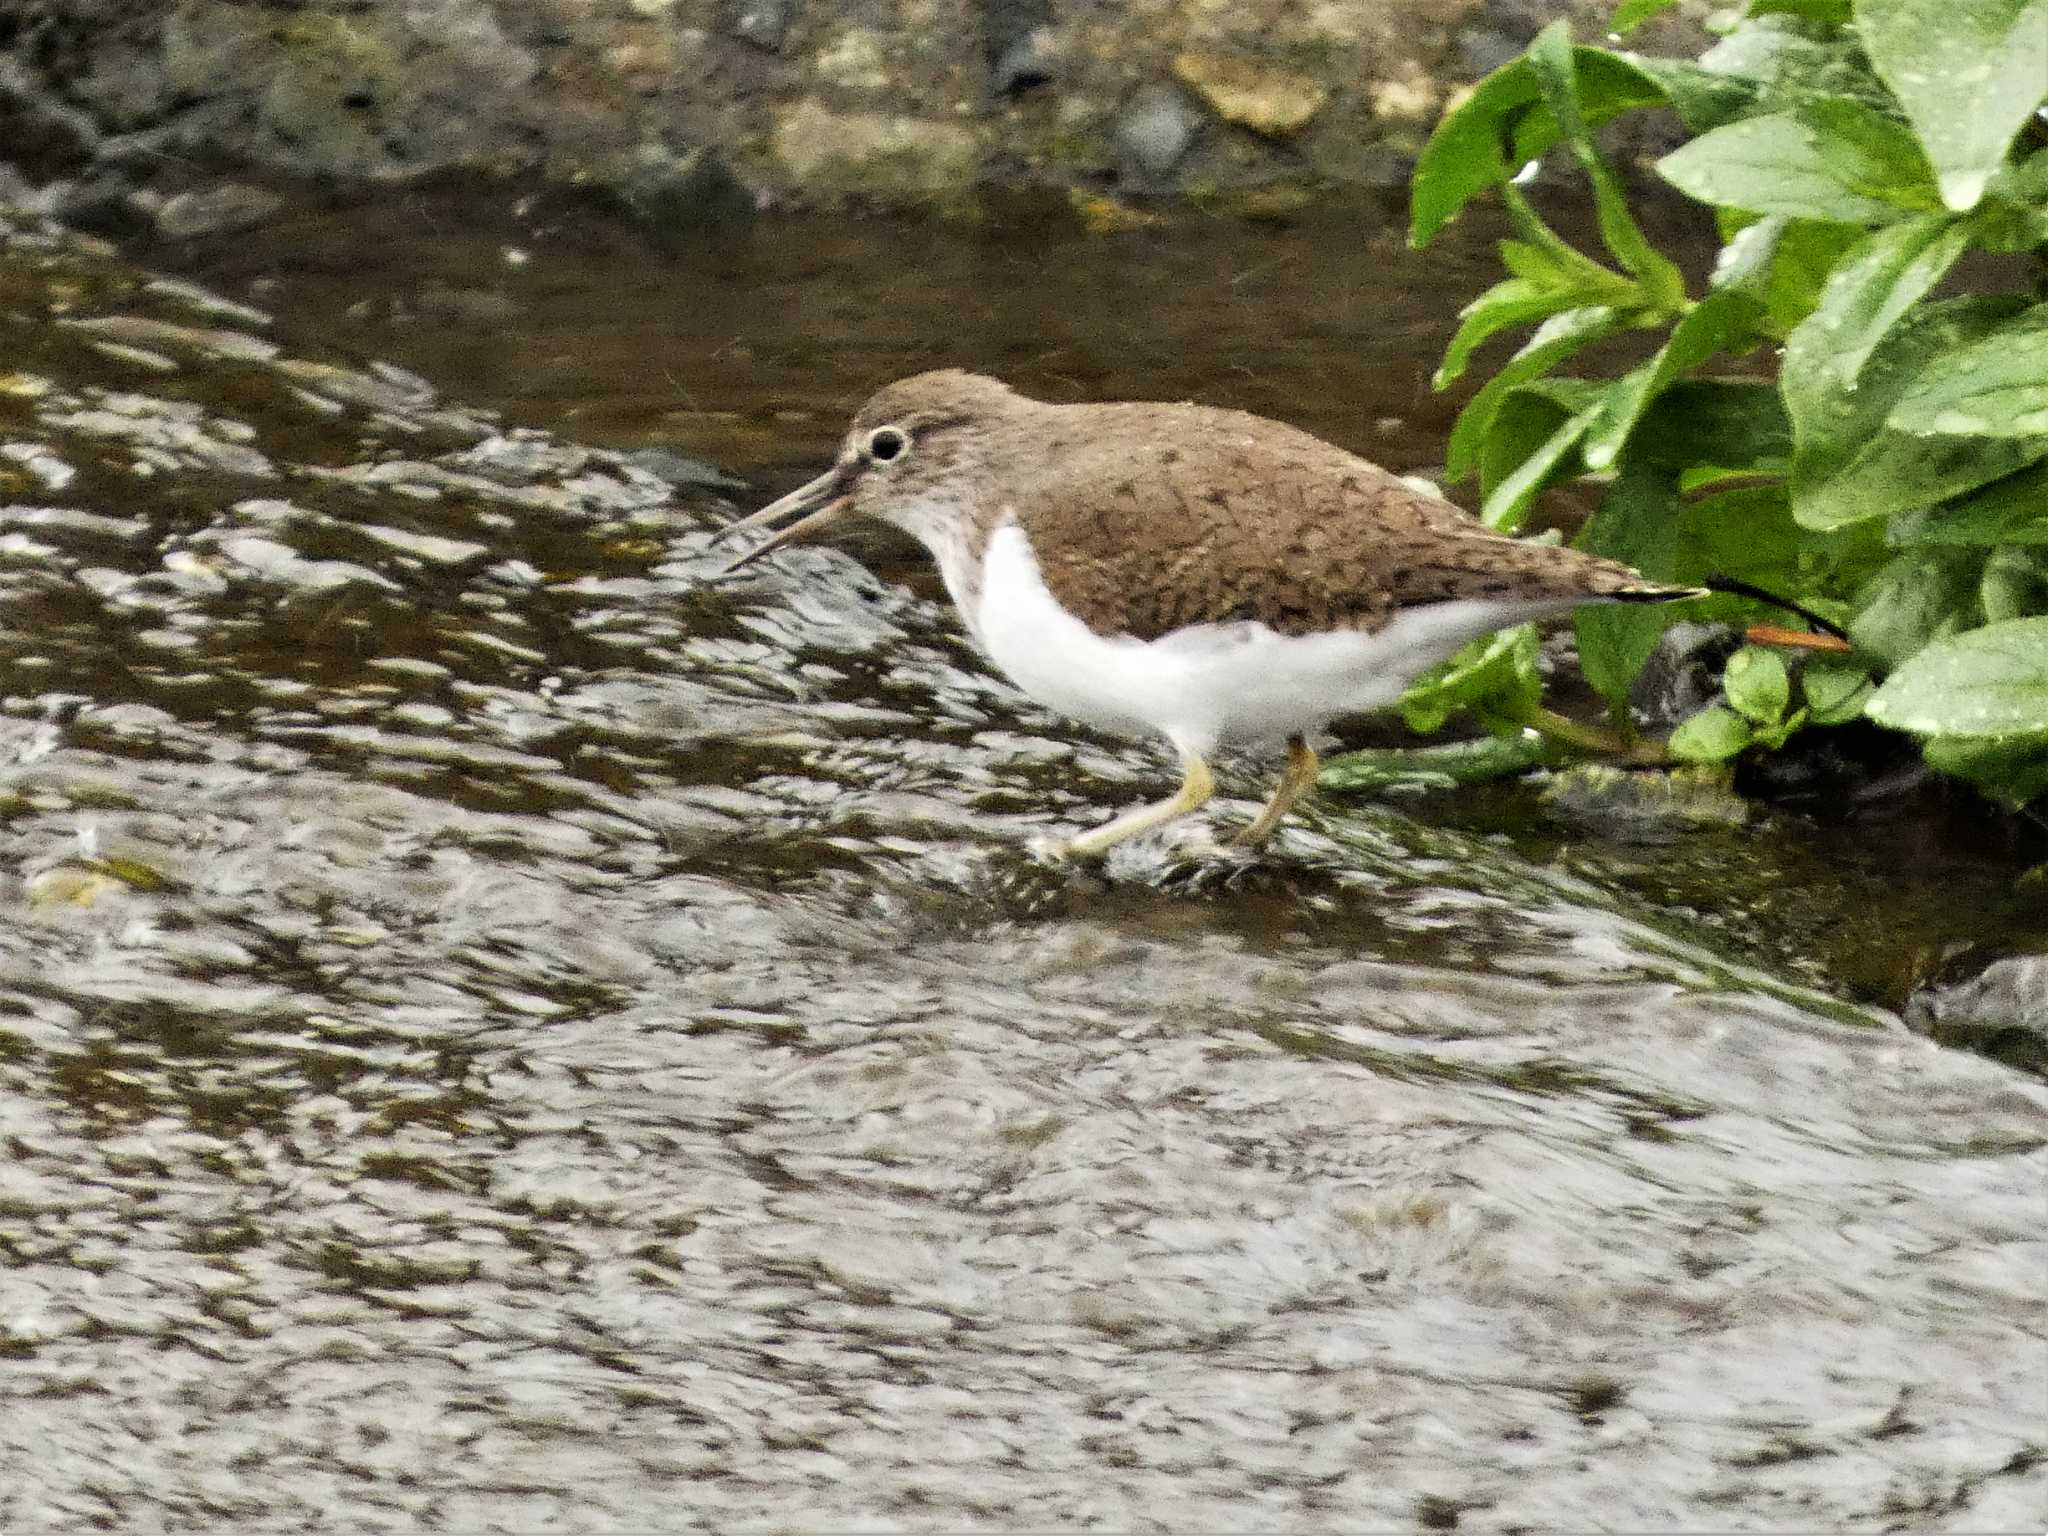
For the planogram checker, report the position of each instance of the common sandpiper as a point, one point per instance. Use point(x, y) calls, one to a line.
point(1181, 570)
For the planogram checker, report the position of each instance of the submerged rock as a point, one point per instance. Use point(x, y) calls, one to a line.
point(215, 211)
point(1268, 98)
point(2001, 1012)
point(1155, 129)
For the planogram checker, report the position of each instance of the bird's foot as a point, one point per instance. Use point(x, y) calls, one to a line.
point(1054, 852)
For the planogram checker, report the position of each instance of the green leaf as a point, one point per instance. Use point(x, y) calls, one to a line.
point(1995, 387)
point(1831, 160)
point(1846, 367)
point(2025, 182)
point(1637, 521)
point(1703, 98)
point(1447, 763)
point(1832, 12)
point(1757, 685)
point(1747, 532)
point(1834, 694)
point(1525, 421)
point(1991, 681)
point(2009, 511)
point(1717, 323)
point(1968, 72)
point(1499, 670)
point(1713, 735)
point(1554, 61)
point(1733, 424)
point(1469, 151)
point(1543, 255)
point(1508, 502)
point(1768, 63)
point(1783, 263)
point(1876, 284)
point(1517, 301)
point(2014, 584)
point(1631, 14)
point(1555, 340)
point(2012, 769)
point(1916, 599)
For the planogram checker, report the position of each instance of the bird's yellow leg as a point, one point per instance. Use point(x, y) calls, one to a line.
point(1196, 786)
point(1295, 780)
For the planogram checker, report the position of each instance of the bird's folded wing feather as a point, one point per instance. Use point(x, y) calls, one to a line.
point(1146, 532)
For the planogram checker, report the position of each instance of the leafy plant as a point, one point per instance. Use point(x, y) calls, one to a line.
point(1893, 474)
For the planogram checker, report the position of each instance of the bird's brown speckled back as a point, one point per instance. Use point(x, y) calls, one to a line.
point(1148, 517)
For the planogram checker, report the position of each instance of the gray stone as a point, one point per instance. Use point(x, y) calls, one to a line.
point(2006, 994)
point(1683, 674)
point(1155, 129)
point(764, 23)
point(215, 211)
point(1483, 49)
point(1017, 44)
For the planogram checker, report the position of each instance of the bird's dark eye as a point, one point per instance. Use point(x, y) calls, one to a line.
point(886, 443)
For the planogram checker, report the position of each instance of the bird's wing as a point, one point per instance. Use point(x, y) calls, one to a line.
point(1188, 516)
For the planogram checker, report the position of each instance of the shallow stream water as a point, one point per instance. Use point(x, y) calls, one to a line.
point(498, 1032)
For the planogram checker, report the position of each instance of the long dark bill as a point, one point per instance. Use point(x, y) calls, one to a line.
point(803, 512)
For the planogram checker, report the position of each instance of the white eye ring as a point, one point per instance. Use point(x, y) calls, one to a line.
point(885, 445)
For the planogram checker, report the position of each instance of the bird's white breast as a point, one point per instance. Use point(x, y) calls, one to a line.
point(1209, 683)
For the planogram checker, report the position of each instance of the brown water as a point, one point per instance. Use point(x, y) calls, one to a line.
point(499, 1033)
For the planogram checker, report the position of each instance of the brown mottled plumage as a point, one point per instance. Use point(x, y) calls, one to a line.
point(1204, 573)
point(1150, 516)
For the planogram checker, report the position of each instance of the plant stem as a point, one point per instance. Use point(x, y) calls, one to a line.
point(1590, 738)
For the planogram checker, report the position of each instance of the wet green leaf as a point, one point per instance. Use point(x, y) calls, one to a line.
point(1720, 322)
point(1554, 61)
point(1968, 72)
point(2012, 769)
point(1471, 148)
point(1555, 340)
point(1876, 284)
point(1784, 264)
point(1987, 682)
point(1847, 466)
point(1448, 764)
point(2013, 510)
point(1917, 598)
point(1830, 160)
point(1757, 685)
point(1994, 387)
point(1713, 735)
point(1517, 301)
point(1638, 522)
point(1498, 669)
point(1834, 693)
point(1770, 62)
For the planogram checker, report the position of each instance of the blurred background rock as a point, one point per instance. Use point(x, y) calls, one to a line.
point(115, 111)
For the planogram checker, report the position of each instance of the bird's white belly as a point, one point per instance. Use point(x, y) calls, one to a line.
point(1212, 683)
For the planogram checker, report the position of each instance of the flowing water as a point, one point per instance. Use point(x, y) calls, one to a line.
point(499, 1032)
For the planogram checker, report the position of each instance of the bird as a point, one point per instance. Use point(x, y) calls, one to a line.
point(1184, 571)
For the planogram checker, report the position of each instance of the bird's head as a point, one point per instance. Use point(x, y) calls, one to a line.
point(903, 447)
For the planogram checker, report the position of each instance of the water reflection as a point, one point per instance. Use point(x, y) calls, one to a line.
point(498, 1032)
